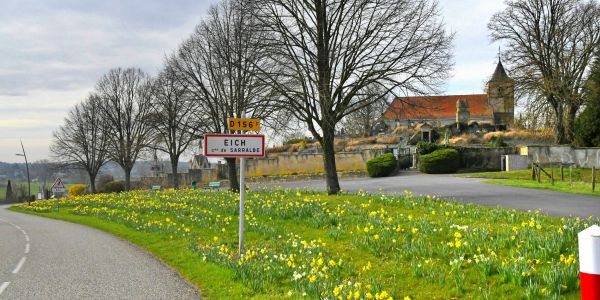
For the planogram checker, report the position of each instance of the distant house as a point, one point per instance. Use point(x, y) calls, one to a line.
point(495, 107)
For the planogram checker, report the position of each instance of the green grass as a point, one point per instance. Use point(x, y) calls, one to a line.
point(582, 180)
point(582, 175)
point(306, 243)
point(35, 187)
point(581, 188)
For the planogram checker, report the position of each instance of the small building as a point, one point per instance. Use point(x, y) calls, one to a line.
point(495, 107)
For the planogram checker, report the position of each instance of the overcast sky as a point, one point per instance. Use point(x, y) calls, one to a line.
point(53, 51)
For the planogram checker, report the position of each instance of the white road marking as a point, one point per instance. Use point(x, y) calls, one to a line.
point(22, 261)
point(3, 286)
point(19, 265)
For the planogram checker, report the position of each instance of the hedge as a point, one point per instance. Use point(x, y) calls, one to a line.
point(426, 147)
point(440, 162)
point(382, 165)
point(114, 187)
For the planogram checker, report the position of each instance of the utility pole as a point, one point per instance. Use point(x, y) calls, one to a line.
point(28, 178)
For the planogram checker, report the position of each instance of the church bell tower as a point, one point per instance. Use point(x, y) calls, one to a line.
point(500, 91)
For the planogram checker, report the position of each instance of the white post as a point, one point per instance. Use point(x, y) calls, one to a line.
point(242, 204)
point(242, 201)
point(589, 262)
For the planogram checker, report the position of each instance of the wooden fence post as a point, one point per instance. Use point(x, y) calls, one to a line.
point(539, 174)
point(562, 173)
point(593, 178)
point(571, 175)
point(532, 171)
point(551, 175)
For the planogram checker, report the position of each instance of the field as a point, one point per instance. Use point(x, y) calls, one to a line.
point(35, 187)
point(301, 244)
point(582, 180)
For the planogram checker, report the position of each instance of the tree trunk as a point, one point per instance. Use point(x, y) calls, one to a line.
point(570, 123)
point(559, 126)
point(127, 178)
point(234, 184)
point(93, 182)
point(333, 184)
point(174, 163)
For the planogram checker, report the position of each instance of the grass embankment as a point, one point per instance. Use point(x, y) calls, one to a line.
point(582, 180)
point(311, 245)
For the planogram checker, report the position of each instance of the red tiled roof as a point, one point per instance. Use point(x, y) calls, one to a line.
point(436, 107)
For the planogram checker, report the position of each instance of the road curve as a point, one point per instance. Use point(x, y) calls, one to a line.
point(469, 190)
point(42, 258)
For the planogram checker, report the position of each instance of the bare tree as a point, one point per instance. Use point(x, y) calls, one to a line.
point(332, 50)
point(550, 47)
point(174, 118)
point(362, 121)
point(218, 65)
point(82, 142)
point(126, 107)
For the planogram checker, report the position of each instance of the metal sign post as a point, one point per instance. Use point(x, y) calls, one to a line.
point(242, 204)
point(237, 145)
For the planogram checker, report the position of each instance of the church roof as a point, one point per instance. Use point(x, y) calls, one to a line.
point(499, 73)
point(436, 107)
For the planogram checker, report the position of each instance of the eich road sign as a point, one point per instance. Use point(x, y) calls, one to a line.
point(234, 145)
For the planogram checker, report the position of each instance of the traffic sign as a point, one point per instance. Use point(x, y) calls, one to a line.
point(58, 186)
point(234, 145)
point(243, 124)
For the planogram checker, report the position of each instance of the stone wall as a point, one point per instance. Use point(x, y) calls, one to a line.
point(581, 157)
point(482, 158)
point(292, 164)
point(201, 176)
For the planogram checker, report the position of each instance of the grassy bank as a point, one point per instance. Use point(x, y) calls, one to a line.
point(309, 245)
point(582, 180)
point(579, 175)
point(581, 188)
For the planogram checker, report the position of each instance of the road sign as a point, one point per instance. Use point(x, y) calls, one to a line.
point(234, 145)
point(243, 124)
point(58, 186)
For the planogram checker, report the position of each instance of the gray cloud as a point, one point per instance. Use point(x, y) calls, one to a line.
point(54, 51)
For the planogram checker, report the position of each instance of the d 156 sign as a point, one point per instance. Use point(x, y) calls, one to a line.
point(243, 124)
point(234, 145)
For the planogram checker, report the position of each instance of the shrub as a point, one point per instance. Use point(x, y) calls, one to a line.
point(404, 162)
point(440, 161)
point(426, 147)
point(497, 141)
point(114, 187)
point(382, 165)
point(77, 189)
point(543, 136)
point(103, 180)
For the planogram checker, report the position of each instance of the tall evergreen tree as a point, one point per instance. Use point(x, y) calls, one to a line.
point(9, 192)
point(587, 132)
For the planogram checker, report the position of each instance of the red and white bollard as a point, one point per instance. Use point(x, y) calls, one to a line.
point(589, 262)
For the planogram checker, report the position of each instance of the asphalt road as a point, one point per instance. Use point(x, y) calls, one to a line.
point(470, 190)
point(48, 259)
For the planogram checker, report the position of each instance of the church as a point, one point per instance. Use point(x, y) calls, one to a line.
point(495, 107)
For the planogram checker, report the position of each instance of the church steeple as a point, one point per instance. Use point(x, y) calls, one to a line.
point(500, 73)
point(500, 92)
